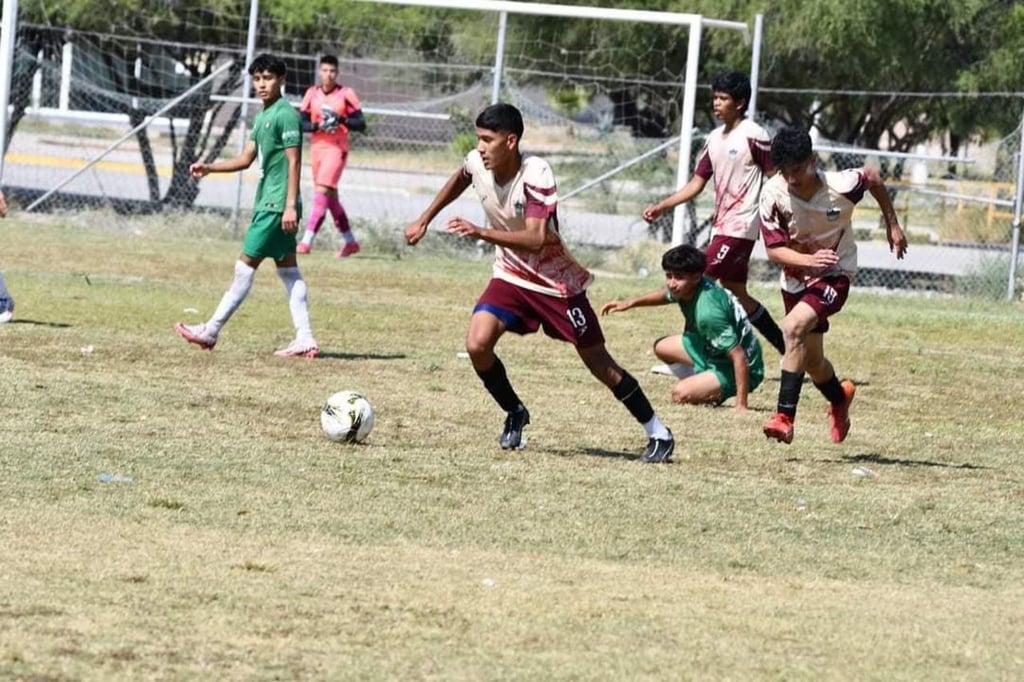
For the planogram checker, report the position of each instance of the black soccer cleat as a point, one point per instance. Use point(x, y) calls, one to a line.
point(512, 434)
point(659, 451)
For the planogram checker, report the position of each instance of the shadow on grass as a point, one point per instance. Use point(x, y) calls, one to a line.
point(879, 459)
point(592, 452)
point(40, 323)
point(361, 356)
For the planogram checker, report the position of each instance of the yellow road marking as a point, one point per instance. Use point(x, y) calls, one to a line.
point(117, 166)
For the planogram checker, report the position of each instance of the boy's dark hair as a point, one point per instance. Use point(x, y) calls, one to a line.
point(791, 145)
point(501, 118)
point(268, 62)
point(685, 259)
point(735, 84)
point(329, 59)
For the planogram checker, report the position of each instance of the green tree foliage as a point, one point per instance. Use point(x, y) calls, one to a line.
point(852, 68)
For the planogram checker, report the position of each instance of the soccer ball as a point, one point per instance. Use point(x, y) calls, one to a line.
point(347, 417)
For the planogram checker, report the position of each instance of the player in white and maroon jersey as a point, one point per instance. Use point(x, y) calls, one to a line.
point(536, 282)
point(806, 223)
point(736, 155)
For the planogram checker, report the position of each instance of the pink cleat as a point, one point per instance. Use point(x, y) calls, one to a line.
point(349, 249)
point(303, 248)
point(299, 349)
point(197, 334)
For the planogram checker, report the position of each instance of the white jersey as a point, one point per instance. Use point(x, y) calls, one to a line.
point(532, 193)
point(824, 222)
point(738, 161)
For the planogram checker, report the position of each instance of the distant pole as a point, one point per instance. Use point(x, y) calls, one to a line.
point(9, 26)
point(499, 58)
point(1018, 200)
point(250, 49)
point(681, 225)
point(755, 67)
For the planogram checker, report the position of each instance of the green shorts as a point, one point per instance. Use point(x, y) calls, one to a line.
point(722, 369)
point(265, 237)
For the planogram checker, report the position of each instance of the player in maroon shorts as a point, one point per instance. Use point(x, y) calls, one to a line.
point(805, 221)
point(736, 156)
point(536, 283)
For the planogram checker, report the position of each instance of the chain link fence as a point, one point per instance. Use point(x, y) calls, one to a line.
point(77, 94)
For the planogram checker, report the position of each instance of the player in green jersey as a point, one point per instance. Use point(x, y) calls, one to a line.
point(717, 341)
point(276, 141)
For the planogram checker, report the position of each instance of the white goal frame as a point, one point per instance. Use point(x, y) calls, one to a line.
point(695, 22)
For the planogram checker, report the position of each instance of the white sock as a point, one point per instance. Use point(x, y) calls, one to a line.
point(233, 297)
point(655, 429)
point(308, 237)
point(348, 236)
point(298, 302)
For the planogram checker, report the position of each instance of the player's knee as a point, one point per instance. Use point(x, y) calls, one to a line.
point(478, 346)
point(793, 331)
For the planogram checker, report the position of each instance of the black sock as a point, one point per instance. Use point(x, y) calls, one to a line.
point(832, 391)
point(630, 394)
point(789, 392)
point(764, 323)
point(497, 384)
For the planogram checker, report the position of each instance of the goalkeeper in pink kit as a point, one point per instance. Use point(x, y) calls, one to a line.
point(329, 110)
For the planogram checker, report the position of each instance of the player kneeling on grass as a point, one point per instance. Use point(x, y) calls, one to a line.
point(536, 281)
point(276, 141)
point(806, 224)
point(717, 341)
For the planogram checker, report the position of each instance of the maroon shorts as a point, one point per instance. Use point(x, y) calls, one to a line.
point(827, 296)
point(524, 312)
point(729, 258)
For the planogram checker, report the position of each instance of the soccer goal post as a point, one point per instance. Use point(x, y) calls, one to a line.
point(694, 22)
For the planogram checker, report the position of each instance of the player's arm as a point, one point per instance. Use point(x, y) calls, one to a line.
point(290, 217)
point(456, 185)
point(355, 121)
point(307, 122)
point(775, 231)
point(741, 370)
point(3, 205)
point(651, 298)
point(237, 163)
point(690, 190)
point(789, 257)
point(893, 232)
point(530, 238)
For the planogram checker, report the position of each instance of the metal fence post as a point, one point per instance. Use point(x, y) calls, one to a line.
point(1018, 199)
point(499, 58)
point(250, 48)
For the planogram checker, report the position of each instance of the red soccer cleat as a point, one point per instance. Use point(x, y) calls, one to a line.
point(779, 427)
point(303, 248)
point(839, 415)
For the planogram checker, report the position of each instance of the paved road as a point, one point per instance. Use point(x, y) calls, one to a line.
point(386, 197)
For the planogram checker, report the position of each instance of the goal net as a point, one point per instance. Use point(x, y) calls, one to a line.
point(604, 98)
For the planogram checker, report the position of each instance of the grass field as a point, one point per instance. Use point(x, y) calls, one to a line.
point(247, 546)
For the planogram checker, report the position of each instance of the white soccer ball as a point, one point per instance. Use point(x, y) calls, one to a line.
point(347, 417)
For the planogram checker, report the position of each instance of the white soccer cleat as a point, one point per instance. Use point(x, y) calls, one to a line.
point(6, 310)
point(676, 369)
point(197, 334)
point(299, 348)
